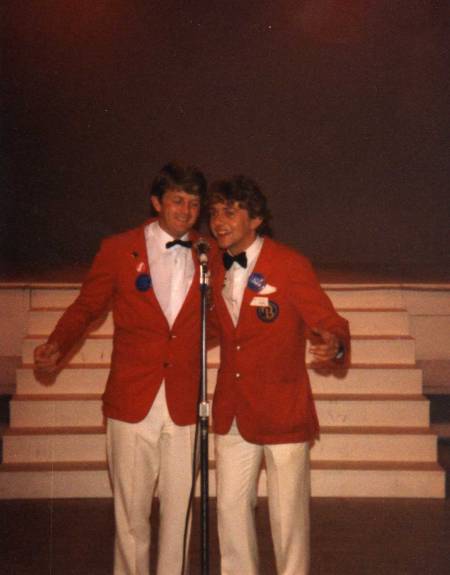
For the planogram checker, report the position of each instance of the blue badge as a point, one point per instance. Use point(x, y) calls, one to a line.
point(268, 313)
point(256, 282)
point(143, 282)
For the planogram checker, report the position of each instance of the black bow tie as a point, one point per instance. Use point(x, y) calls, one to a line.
point(228, 260)
point(185, 244)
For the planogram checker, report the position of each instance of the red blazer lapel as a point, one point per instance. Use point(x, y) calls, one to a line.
point(264, 266)
point(218, 279)
point(138, 250)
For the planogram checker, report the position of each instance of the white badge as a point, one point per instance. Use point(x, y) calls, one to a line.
point(259, 301)
point(267, 289)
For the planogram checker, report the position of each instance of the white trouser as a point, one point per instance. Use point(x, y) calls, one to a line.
point(141, 455)
point(288, 486)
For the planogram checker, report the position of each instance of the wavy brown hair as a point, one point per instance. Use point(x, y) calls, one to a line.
point(247, 194)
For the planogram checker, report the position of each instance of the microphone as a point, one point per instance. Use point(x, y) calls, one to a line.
point(202, 248)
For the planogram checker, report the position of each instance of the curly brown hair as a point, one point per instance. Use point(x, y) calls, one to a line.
point(247, 194)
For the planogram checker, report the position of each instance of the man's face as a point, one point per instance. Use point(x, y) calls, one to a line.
point(177, 211)
point(232, 226)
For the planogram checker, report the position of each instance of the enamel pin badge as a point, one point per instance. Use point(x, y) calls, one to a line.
point(143, 282)
point(258, 283)
point(268, 313)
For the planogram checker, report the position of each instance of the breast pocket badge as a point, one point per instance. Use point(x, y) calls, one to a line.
point(269, 312)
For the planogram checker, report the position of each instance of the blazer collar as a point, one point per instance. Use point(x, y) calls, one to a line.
point(264, 266)
point(139, 252)
point(140, 245)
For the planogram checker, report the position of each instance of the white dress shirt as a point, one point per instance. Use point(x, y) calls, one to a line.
point(236, 279)
point(172, 270)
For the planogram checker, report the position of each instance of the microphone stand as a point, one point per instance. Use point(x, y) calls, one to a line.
point(203, 414)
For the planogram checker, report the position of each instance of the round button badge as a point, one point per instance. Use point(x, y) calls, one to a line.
point(143, 282)
point(256, 282)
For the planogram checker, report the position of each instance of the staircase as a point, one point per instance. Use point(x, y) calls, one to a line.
point(375, 427)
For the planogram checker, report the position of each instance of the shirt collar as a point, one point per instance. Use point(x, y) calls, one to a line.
point(160, 237)
point(252, 253)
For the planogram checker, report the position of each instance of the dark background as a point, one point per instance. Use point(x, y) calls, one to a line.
point(339, 109)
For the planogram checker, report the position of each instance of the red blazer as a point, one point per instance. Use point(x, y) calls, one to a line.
point(145, 349)
point(262, 380)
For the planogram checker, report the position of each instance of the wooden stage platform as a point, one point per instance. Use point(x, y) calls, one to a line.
point(349, 537)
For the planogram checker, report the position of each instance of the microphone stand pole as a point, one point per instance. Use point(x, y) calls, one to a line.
point(204, 423)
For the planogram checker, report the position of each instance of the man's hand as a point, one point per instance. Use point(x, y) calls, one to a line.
point(326, 348)
point(46, 358)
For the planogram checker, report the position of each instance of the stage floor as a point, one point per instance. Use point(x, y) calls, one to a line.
point(349, 536)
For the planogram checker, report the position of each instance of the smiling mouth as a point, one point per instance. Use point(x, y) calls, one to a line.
point(222, 233)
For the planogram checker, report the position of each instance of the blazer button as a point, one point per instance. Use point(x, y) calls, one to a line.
point(238, 375)
point(238, 347)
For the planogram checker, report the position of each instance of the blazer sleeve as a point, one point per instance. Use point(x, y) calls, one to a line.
point(92, 302)
point(314, 306)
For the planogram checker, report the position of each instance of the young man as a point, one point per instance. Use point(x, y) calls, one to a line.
point(266, 299)
point(149, 277)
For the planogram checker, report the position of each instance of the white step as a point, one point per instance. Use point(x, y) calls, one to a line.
point(71, 380)
point(375, 440)
point(369, 379)
point(362, 322)
point(410, 480)
point(54, 480)
point(381, 350)
point(88, 444)
point(375, 444)
point(375, 411)
point(364, 296)
point(32, 445)
point(56, 411)
point(53, 296)
point(363, 379)
point(334, 479)
point(336, 411)
point(377, 321)
point(43, 321)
